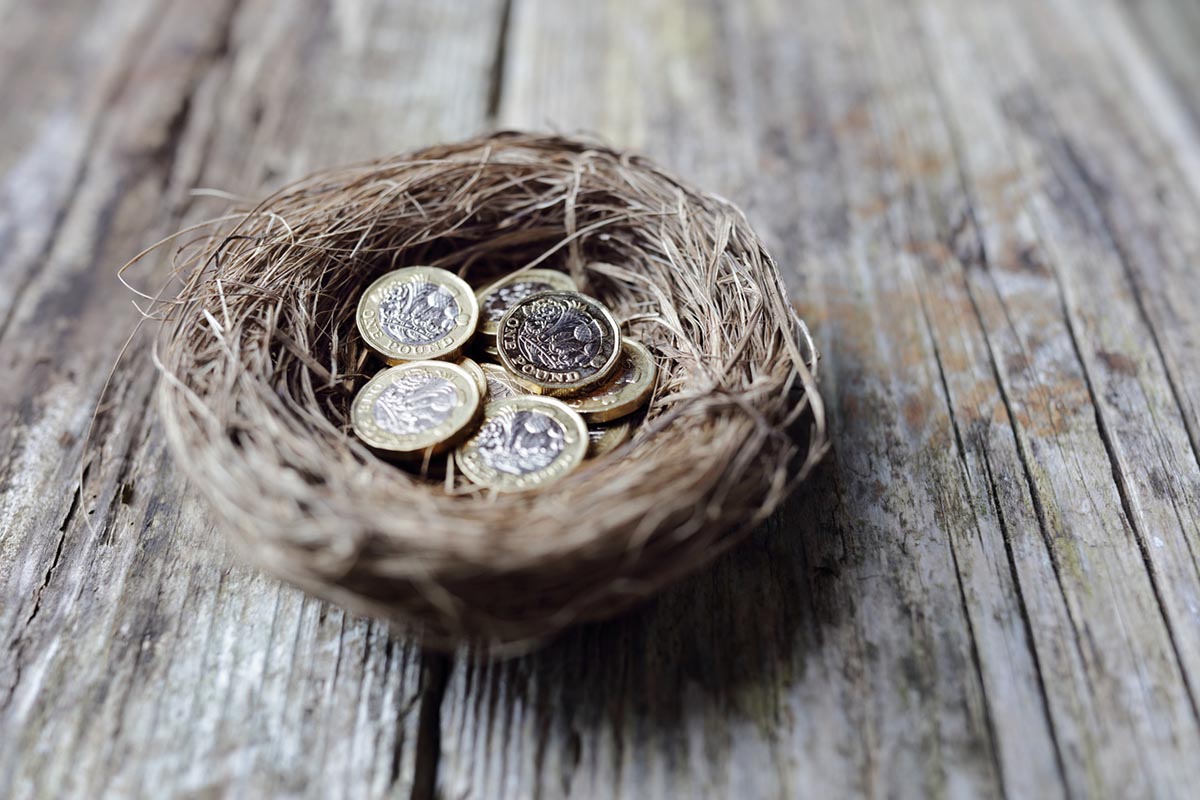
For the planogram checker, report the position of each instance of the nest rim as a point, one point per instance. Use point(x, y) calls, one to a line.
point(258, 365)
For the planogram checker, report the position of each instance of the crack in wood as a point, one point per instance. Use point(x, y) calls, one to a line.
point(1131, 518)
point(1091, 195)
point(1119, 247)
point(18, 641)
point(961, 452)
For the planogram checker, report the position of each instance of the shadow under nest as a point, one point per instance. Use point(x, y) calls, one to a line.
point(260, 360)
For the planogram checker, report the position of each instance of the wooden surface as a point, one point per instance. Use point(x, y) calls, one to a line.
point(988, 212)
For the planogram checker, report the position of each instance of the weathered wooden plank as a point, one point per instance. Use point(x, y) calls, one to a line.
point(997, 257)
point(62, 67)
point(1127, 537)
point(899, 657)
point(999, 625)
point(1005, 254)
point(60, 325)
point(139, 657)
point(42, 151)
point(1157, 166)
point(922, 348)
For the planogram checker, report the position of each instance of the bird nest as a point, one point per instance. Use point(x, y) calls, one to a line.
point(261, 360)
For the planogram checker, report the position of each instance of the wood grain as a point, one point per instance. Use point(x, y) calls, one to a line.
point(139, 658)
point(1013, 596)
point(988, 212)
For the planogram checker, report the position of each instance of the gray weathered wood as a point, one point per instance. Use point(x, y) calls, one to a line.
point(139, 658)
point(988, 212)
point(1010, 548)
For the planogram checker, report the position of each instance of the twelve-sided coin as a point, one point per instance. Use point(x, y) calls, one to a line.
point(499, 297)
point(625, 392)
point(524, 442)
point(559, 343)
point(418, 313)
point(416, 407)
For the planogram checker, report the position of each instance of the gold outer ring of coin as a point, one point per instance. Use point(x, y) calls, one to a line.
point(539, 381)
point(500, 383)
point(606, 437)
point(551, 277)
point(608, 401)
point(438, 438)
point(472, 366)
point(472, 464)
point(395, 352)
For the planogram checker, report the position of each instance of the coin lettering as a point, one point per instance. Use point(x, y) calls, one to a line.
point(417, 313)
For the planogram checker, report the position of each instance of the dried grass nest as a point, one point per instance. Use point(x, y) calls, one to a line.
point(261, 359)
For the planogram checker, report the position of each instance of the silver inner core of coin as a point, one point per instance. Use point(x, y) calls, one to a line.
point(557, 337)
point(416, 402)
point(520, 442)
point(417, 312)
point(503, 298)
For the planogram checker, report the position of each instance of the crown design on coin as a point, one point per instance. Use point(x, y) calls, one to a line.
point(559, 336)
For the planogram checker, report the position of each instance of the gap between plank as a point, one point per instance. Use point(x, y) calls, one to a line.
point(496, 86)
point(435, 674)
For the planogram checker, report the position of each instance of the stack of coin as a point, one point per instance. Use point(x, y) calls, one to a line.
point(552, 381)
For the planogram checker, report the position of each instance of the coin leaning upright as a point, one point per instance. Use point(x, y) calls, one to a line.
point(416, 407)
point(559, 343)
point(524, 442)
point(417, 313)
